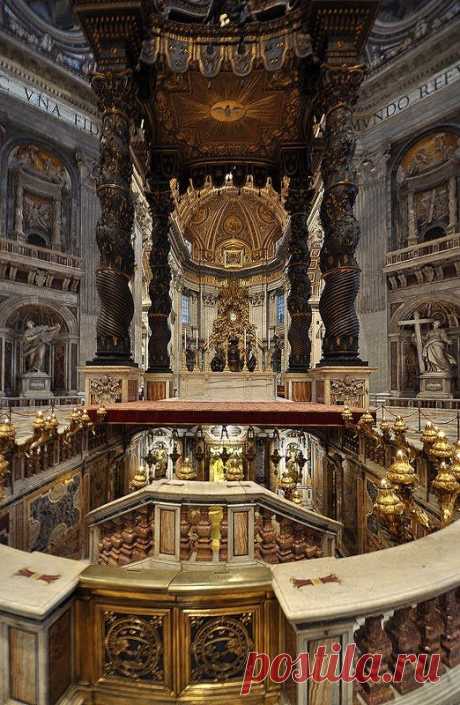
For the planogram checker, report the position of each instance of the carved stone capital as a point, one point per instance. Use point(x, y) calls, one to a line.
point(340, 86)
point(115, 91)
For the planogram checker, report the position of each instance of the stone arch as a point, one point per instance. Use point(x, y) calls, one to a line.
point(408, 309)
point(11, 306)
point(62, 353)
point(50, 181)
point(425, 192)
point(406, 341)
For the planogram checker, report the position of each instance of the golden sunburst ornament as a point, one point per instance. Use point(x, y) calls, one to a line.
point(227, 111)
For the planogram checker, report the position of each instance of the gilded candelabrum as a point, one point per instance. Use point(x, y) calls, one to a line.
point(395, 504)
point(389, 507)
point(45, 429)
point(297, 496)
point(7, 443)
point(79, 420)
point(445, 458)
point(186, 471)
point(74, 426)
point(139, 480)
point(174, 454)
point(287, 484)
point(447, 487)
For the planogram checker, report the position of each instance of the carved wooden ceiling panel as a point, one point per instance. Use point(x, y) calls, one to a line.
point(228, 115)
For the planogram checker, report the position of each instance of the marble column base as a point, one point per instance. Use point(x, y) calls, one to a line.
point(111, 384)
point(35, 385)
point(298, 386)
point(436, 385)
point(342, 385)
point(158, 385)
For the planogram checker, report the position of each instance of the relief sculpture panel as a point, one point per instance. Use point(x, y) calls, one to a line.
point(54, 518)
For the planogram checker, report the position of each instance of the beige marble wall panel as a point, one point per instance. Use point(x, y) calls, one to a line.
point(23, 666)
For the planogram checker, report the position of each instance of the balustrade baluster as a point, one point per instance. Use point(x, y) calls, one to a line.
point(450, 641)
point(312, 550)
point(223, 542)
point(144, 533)
point(268, 546)
point(204, 542)
point(106, 543)
point(117, 542)
point(406, 639)
point(285, 540)
point(431, 627)
point(128, 535)
point(185, 540)
point(371, 638)
point(299, 542)
point(257, 535)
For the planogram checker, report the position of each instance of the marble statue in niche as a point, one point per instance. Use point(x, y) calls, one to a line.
point(435, 352)
point(35, 340)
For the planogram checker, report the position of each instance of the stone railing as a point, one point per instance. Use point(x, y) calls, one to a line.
point(425, 249)
point(154, 633)
point(380, 401)
point(52, 401)
point(402, 600)
point(23, 249)
point(48, 447)
point(174, 520)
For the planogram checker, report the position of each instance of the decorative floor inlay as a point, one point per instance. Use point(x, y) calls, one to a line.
point(27, 573)
point(298, 583)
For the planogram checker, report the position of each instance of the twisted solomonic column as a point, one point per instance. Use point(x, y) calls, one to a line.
point(161, 205)
point(339, 92)
point(116, 95)
point(298, 205)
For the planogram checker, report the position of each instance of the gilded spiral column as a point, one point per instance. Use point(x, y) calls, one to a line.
point(338, 95)
point(161, 206)
point(116, 96)
point(298, 205)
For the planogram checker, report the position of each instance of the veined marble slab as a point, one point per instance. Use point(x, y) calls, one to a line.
point(34, 584)
point(227, 386)
point(371, 583)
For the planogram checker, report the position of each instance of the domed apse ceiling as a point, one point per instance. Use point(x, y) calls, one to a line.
point(231, 228)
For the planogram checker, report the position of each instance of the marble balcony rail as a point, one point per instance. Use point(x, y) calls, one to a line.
point(175, 520)
point(429, 250)
point(399, 600)
point(29, 456)
point(15, 248)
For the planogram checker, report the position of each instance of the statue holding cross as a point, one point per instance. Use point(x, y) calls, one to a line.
point(417, 323)
point(436, 364)
point(436, 355)
point(433, 351)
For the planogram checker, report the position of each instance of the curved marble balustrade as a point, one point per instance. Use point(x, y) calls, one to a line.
point(176, 520)
point(149, 636)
